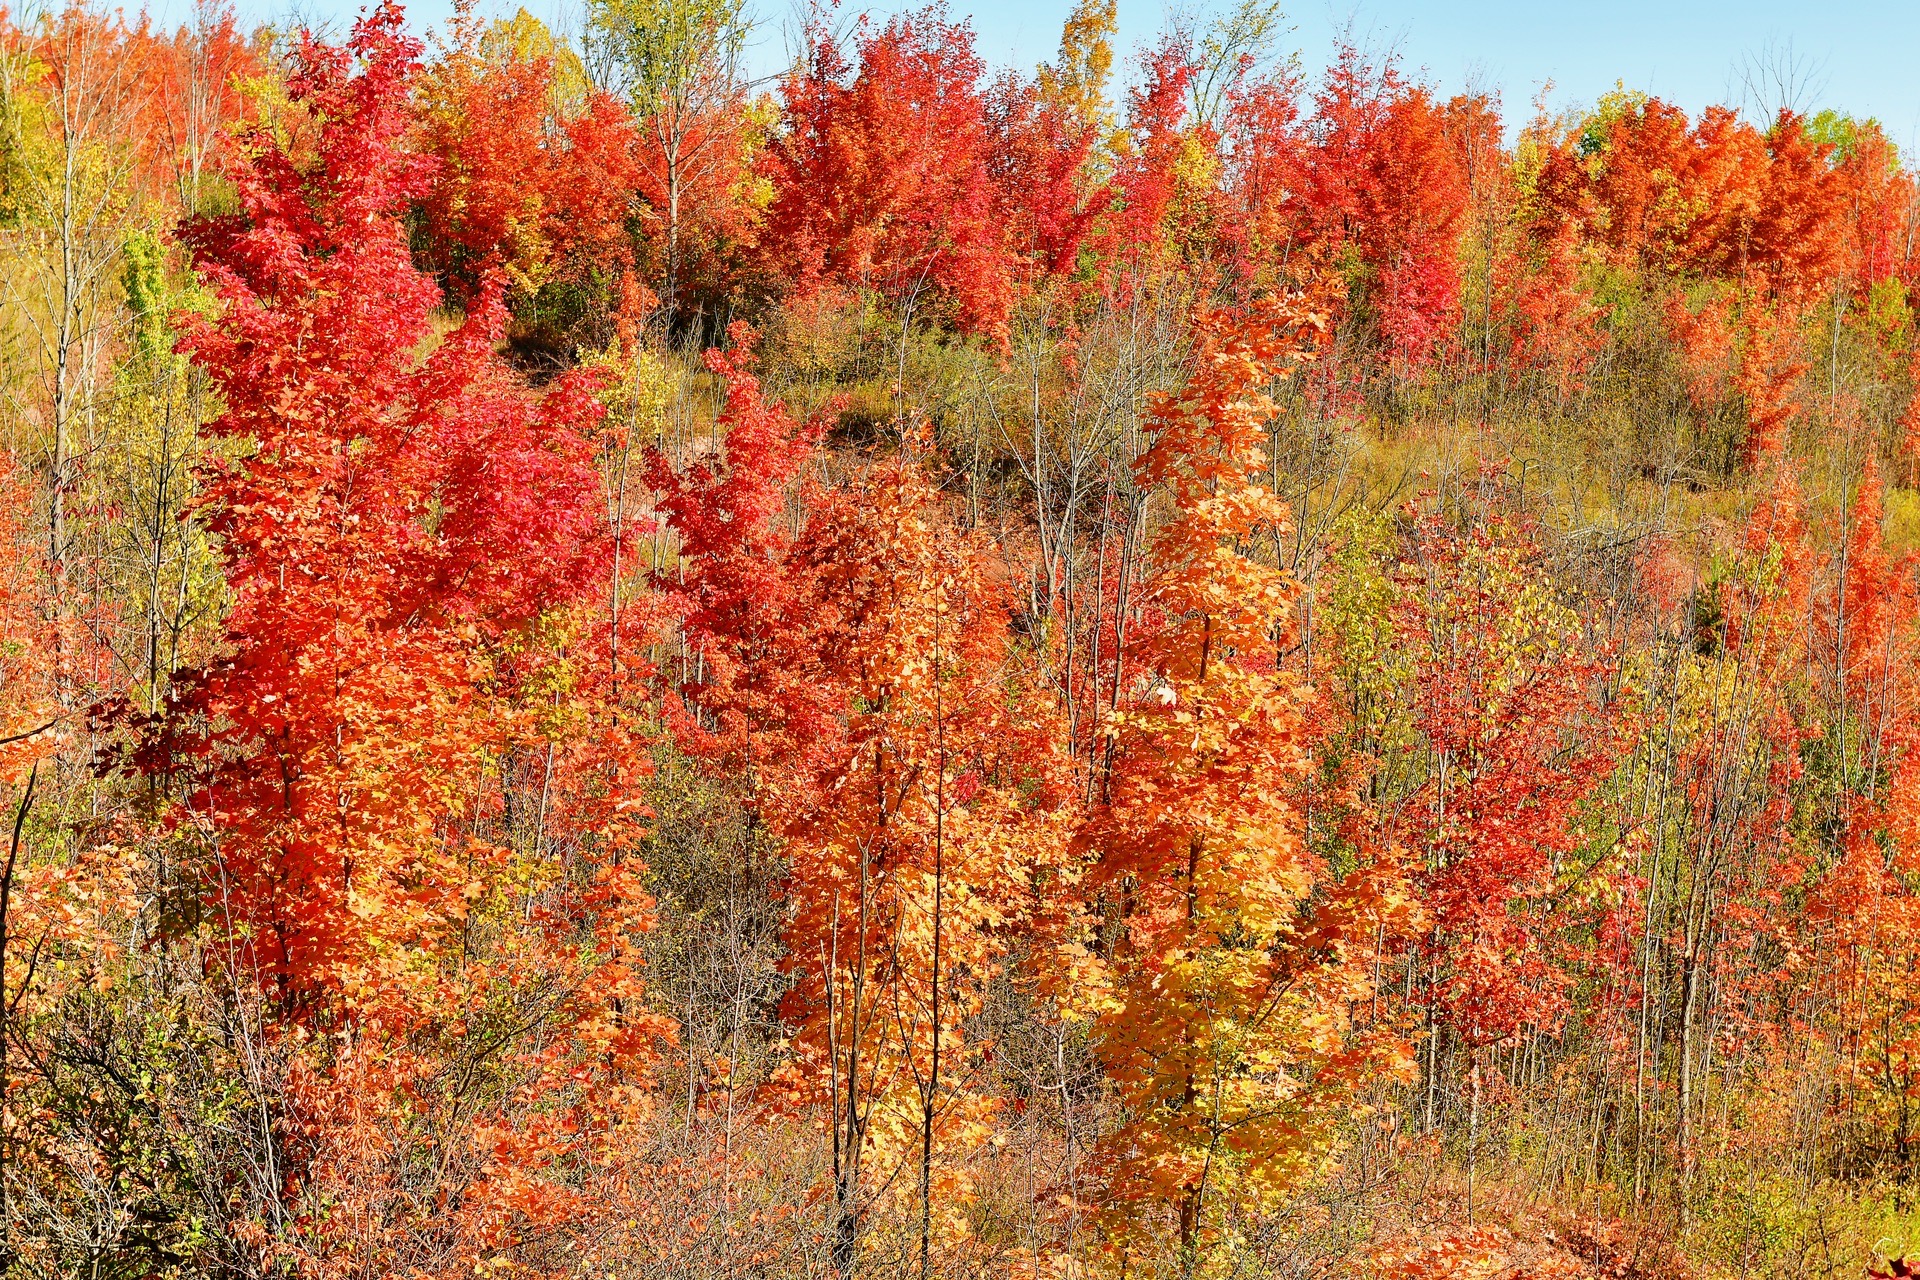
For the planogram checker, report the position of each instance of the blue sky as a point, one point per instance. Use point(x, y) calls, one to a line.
point(1861, 56)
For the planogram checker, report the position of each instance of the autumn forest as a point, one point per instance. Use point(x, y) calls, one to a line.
point(1169, 665)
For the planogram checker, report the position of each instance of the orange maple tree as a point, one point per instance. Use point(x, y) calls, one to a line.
point(1222, 1009)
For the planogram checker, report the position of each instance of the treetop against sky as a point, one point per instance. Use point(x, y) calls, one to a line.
point(1851, 55)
